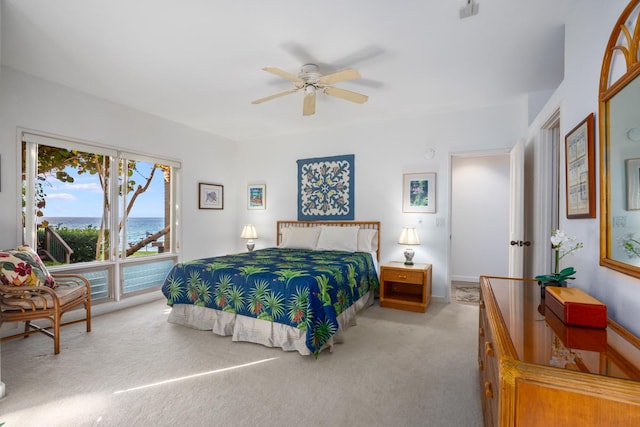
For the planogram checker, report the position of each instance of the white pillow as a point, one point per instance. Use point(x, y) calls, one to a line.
point(284, 235)
point(300, 237)
point(335, 238)
point(367, 240)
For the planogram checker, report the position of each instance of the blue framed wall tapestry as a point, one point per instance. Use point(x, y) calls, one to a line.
point(326, 188)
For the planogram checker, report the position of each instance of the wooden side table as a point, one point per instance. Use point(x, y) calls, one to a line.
point(405, 287)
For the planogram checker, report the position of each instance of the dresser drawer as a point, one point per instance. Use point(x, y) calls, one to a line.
point(402, 276)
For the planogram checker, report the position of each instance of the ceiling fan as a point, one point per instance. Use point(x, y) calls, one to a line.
point(310, 81)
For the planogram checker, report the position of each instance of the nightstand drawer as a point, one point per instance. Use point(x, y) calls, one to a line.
point(402, 276)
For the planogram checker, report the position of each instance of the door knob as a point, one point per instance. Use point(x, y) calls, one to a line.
point(520, 243)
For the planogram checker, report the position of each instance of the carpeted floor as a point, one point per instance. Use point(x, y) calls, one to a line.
point(396, 368)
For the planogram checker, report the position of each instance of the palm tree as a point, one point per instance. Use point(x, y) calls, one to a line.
point(299, 308)
point(175, 290)
point(323, 293)
point(273, 306)
point(222, 289)
point(322, 331)
point(236, 302)
point(257, 297)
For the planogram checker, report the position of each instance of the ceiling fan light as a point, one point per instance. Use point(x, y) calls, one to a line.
point(309, 90)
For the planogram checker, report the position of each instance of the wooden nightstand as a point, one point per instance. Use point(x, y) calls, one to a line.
point(406, 287)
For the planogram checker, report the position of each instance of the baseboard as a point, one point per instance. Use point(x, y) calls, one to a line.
point(111, 306)
point(474, 279)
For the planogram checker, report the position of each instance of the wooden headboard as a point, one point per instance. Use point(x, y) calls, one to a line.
point(367, 225)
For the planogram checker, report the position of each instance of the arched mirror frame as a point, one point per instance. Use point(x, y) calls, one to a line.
point(623, 44)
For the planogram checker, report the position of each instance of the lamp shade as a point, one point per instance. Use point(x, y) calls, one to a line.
point(409, 236)
point(249, 232)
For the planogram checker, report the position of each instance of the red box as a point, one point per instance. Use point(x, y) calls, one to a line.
point(577, 337)
point(575, 307)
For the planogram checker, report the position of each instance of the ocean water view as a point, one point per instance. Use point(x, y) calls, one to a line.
point(137, 229)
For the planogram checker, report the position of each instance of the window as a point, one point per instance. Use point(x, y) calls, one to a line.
point(101, 212)
point(145, 221)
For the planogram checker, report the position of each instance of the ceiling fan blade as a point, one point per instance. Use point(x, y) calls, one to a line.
point(300, 53)
point(309, 103)
point(283, 74)
point(346, 94)
point(276, 95)
point(340, 76)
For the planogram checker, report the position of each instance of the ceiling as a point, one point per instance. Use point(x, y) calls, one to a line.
point(199, 62)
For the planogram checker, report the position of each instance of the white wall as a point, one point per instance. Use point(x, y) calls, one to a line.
point(587, 32)
point(479, 242)
point(383, 152)
point(35, 104)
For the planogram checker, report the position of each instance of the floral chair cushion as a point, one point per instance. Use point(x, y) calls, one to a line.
point(23, 267)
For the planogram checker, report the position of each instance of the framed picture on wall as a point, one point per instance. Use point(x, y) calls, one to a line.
point(211, 196)
point(580, 170)
point(419, 193)
point(257, 196)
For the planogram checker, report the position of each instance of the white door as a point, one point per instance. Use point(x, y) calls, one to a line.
point(516, 211)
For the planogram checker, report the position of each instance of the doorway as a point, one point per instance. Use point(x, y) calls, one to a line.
point(479, 215)
point(547, 176)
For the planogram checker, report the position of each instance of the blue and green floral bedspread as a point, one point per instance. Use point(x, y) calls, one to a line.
point(305, 289)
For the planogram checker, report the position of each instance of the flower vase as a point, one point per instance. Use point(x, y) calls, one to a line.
point(543, 285)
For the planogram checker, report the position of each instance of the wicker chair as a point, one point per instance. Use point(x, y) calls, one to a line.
point(28, 303)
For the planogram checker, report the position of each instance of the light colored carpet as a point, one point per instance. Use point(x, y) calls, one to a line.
point(396, 368)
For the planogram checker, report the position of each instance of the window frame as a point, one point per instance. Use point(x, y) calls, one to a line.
point(116, 262)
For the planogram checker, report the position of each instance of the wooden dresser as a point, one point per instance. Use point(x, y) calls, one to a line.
point(536, 371)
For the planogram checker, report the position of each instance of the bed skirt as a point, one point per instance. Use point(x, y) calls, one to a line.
point(249, 329)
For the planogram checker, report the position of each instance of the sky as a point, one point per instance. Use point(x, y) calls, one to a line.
point(83, 197)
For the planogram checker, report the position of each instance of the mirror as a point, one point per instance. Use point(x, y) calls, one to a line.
point(619, 116)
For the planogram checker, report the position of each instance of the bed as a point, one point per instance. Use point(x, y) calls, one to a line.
point(299, 296)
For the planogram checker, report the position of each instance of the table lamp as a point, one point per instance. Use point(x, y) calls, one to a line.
point(249, 232)
point(409, 237)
